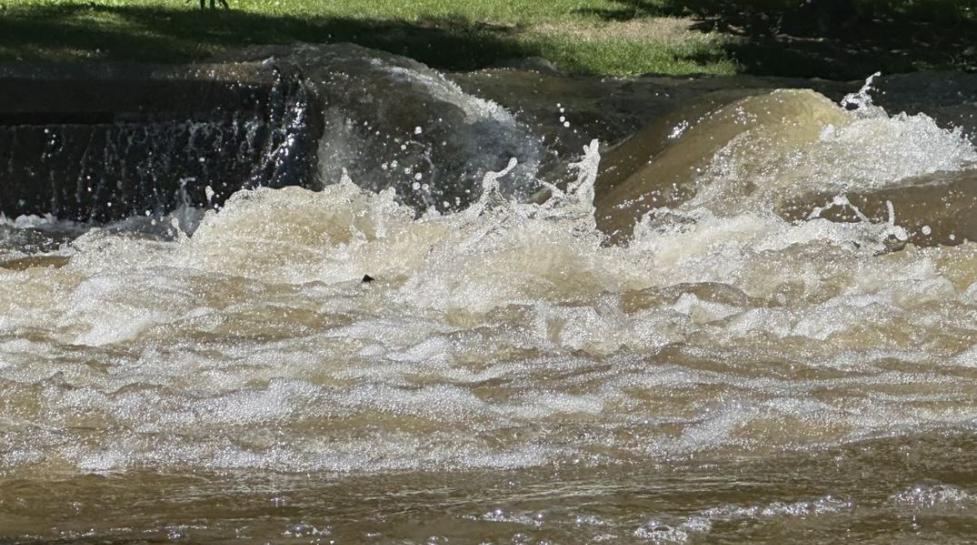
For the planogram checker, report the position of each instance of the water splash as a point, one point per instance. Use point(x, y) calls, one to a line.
point(860, 102)
point(508, 335)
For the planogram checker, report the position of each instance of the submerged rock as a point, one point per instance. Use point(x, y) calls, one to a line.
point(102, 142)
point(389, 121)
point(654, 169)
point(936, 209)
point(145, 140)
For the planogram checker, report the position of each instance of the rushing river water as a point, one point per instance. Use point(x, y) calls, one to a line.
point(723, 375)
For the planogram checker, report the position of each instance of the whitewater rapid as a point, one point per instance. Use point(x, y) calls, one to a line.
point(507, 335)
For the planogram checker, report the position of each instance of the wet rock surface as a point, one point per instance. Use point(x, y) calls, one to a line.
point(101, 142)
point(936, 209)
point(784, 117)
point(104, 141)
point(391, 122)
point(612, 109)
point(659, 134)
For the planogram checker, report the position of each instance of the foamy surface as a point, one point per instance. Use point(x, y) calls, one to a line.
point(505, 338)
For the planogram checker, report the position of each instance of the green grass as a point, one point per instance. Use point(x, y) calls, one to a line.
point(450, 34)
point(602, 37)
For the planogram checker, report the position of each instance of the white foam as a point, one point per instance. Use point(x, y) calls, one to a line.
point(506, 336)
point(929, 496)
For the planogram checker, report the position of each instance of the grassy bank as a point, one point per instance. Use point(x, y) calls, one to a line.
point(453, 34)
point(606, 37)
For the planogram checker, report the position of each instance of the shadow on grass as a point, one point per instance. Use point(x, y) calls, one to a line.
point(137, 33)
point(838, 39)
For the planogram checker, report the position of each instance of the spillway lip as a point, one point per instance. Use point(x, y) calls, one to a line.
point(93, 93)
point(99, 142)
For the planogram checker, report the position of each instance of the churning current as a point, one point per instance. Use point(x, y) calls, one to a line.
point(520, 367)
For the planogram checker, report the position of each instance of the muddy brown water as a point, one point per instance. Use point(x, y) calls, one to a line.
point(785, 353)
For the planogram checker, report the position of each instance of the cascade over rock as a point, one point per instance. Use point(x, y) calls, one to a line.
point(145, 139)
point(390, 121)
point(671, 171)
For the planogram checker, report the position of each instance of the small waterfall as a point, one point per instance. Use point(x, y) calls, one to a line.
point(781, 348)
point(148, 163)
point(305, 115)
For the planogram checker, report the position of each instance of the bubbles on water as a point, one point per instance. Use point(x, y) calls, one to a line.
point(934, 496)
point(305, 530)
point(535, 520)
point(825, 505)
point(772, 160)
point(673, 529)
point(657, 532)
point(507, 335)
point(678, 130)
